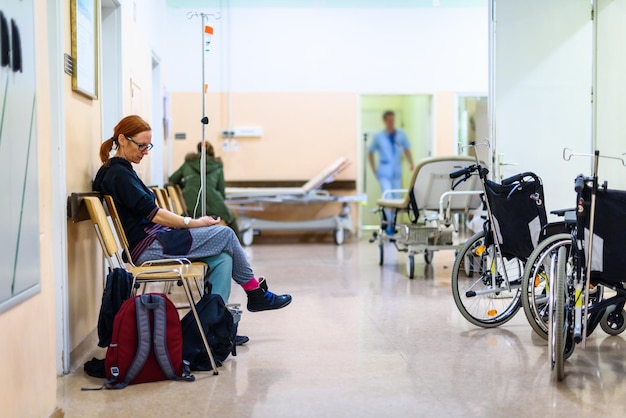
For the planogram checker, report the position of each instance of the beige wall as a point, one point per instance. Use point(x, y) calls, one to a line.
point(28, 384)
point(302, 132)
point(444, 123)
point(83, 138)
point(83, 132)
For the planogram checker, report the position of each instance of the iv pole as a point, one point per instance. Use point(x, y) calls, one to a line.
point(206, 31)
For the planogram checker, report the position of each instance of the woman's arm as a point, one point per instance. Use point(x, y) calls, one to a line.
point(166, 218)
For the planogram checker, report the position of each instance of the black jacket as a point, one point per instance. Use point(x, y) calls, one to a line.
point(135, 202)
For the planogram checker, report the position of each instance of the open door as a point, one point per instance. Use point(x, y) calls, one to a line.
point(611, 89)
point(414, 117)
point(541, 77)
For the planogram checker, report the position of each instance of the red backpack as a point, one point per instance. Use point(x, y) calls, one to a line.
point(147, 343)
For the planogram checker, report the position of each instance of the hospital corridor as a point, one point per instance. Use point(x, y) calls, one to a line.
point(312, 208)
point(369, 342)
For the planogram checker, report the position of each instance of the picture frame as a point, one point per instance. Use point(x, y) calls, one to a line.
point(84, 27)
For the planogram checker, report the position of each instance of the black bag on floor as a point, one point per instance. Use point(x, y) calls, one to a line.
point(219, 328)
point(118, 288)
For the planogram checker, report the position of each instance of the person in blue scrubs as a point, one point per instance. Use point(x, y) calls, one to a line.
point(390, 144)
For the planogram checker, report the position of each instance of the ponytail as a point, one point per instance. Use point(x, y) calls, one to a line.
point(105, 151)
point(129, 126)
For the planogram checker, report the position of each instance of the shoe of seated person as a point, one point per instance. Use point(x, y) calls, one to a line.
point(241, 339)
point(261, 299)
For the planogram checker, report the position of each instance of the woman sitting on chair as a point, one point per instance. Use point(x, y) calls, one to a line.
point(155, 233)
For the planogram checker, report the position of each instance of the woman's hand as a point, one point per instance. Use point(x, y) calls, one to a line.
point(204, 221)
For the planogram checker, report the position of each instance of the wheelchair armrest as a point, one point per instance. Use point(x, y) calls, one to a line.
point(562, 212)
point(570, 217)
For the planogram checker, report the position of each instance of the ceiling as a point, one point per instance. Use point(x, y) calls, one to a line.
point(374, 4)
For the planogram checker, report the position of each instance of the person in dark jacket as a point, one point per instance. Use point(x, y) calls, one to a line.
point(188, 178)
point(155, 233)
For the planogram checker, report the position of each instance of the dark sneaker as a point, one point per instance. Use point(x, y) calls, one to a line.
point(264, 300)
point(241, 339)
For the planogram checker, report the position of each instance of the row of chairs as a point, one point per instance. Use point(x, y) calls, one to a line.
point(172, 271)
point(171, 198)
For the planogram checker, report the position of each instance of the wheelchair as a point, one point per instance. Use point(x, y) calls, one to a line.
point(488, 269)
point(576, 267)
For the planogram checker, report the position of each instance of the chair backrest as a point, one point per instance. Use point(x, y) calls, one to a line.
point(103, 230)
point(166, 198)
point(117, 224)
point(181, 198)
point(176, 201)
point(431, 179)
point(161, 198)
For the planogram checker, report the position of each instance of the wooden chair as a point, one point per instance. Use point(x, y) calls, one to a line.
point(149, 272)
point(177, 201)
point(162, 199)
point(121, 235)
point(181, 198)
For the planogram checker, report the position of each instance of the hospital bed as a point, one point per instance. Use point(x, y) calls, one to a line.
point(251, 199)
point(431, 204)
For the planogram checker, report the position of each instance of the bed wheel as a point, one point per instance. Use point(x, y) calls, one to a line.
point(247, 236)
point(339, 235)
point(614, 323)
point(428, 256)
point(410, 266)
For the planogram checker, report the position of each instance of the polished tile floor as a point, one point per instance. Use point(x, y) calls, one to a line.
point(364, 341)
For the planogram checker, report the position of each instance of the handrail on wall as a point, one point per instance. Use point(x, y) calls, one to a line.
point(76, 209)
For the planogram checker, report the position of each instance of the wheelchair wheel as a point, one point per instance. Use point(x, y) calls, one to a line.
point(483, 296)
point(535, 288)
point(614, 323)
point(410, 266)
point(560, 325)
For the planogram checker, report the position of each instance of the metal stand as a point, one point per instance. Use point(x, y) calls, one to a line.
point(205, 31)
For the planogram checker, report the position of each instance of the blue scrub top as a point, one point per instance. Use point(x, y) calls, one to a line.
point(389, 148)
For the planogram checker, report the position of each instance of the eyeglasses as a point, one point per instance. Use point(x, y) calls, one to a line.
point(142, 147)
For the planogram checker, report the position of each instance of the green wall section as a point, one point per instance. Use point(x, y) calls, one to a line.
point(371, 4)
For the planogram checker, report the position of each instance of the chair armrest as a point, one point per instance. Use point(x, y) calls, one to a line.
point(391, 191)
point(181, 261)
point(157, 272)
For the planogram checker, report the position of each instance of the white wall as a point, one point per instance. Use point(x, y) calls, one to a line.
point(542, 91)
point(149, 16)
point(611, 90)
point(371, 50)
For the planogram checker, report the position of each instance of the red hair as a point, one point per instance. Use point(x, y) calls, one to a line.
point(129, 126)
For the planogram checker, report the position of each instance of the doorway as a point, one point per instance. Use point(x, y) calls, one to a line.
point(414, 116)
point(473, 125)
point(158, 175)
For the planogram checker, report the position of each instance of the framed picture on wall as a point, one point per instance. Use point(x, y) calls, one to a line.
point(84, 26)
